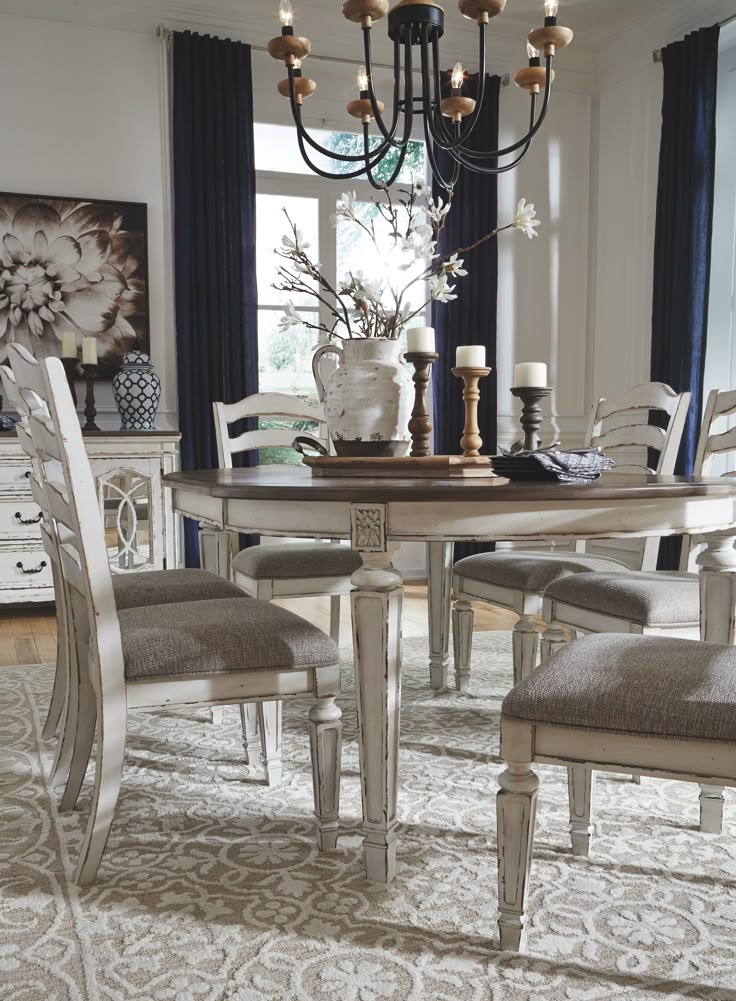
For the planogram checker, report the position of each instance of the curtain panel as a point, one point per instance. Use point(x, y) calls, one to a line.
point(471, 318)
point(214, 240)
point(682, 251)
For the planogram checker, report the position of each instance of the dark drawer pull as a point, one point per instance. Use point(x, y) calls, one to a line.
point(27, 474)
point(41, 566)
point(28, 521)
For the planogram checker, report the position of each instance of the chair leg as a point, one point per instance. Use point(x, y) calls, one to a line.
point(325, 739)
point(553, 639)
point(516, 809)
point(251, 732)
point(462, 640)
point(61, 677)
point(217, 715)
point(335, 617)
point(113, 716)
point(525, 643)
point(270, 724)
point(81, 744)
point(580, 787)
point(711, 809)
point(69, 722)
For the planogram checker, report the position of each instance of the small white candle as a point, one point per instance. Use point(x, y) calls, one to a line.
point(89, 351)
point(530, 373)
point(420, 340)
point(471, 356)
point(68, 344)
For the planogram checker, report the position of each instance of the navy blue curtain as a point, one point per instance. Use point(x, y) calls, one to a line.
point(471, 318)
point(214, 240)
point(683, 231)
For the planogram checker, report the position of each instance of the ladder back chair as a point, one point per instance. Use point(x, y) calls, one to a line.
point(518, 580)
point(655, 602)
point(131, 590)
point(223, 651)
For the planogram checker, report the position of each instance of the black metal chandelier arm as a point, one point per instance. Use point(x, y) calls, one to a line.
point(434, 167)
point(348, 175)
point(467, 155)
point(408, 125)
point(303, 135)
point(443, 136)
point(382, 185)
point(534, 129)
point(388, 135)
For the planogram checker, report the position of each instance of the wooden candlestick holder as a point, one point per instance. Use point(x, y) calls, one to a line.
point(531, 412)
point(471, 441)
point(420, 426)
point(70, 367)
point(90, 411)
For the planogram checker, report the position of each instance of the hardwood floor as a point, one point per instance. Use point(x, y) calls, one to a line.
point(29, 636)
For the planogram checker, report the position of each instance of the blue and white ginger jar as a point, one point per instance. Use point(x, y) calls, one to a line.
point(137, 392)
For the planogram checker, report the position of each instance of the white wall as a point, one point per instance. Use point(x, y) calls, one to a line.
point(81, 117)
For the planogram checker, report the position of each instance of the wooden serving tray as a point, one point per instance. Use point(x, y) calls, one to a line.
point(432, 466)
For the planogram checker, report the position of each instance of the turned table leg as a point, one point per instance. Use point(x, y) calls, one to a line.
point(376, 613)
point(717, 565)
point(439, 587)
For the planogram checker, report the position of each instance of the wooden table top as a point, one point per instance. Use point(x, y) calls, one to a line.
point(281, 482)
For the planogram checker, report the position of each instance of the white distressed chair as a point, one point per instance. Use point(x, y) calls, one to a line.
point(518, 581)
point(155, 587)
point(222, 651)
point(654, 603)
point(598, 704)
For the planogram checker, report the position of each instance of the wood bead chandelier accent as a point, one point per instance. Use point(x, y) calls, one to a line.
point(448, 121)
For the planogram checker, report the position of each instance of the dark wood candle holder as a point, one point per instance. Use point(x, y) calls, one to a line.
point(90, 411)
point(71, 366)
point(531, 412)
point(471, 441)
point(420, 426)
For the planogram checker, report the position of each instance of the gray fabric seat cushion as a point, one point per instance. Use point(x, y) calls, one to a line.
point(220, 636)
point(297, 559)
point(531, 571)
point(650, 599)
point(166, 587)
point(633, 684)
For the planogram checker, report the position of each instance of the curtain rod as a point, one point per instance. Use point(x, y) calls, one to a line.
point(163, 32)
point(657, 54)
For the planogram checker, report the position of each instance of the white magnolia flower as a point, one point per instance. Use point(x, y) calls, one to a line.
point(454, 266)
point(441, 291)
point(421, 188)
point(419, 242)
point(304, 269)
point(291, 318)
point(526, 218)
point(345, 208)
point(437, 210)
point(297, 245)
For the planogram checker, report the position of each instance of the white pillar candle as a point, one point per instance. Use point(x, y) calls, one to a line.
point(89, 351)
point(420, 340)
point(68, 344)
point(471, 356)
point(530, 373)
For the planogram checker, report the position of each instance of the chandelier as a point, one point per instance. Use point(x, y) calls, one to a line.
point(448, 121)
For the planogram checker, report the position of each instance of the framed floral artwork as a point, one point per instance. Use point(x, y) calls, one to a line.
point(71, 264)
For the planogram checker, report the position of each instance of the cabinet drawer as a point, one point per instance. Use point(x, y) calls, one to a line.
point(28, 526)
point(33, 560)
point(14, 477)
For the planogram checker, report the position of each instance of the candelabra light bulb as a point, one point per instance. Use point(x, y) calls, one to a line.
point(531, 52)
point(456, 81)
point(286, 13)
point(362, 80)
point(551, 8)
point(296, 65)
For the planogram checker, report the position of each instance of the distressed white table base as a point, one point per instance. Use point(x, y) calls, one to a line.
point(439, 586)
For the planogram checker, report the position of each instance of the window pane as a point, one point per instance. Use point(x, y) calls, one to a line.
point(380, 262)
point(285, 356)
point(277, 149)
point(272, 225)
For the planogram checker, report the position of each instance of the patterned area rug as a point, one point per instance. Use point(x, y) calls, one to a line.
point(211, 888)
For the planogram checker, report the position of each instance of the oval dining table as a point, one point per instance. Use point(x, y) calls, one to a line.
point(378, 514)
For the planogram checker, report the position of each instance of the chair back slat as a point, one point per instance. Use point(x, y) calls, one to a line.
point(630, 436)
point(265, 406)
point(645, 397)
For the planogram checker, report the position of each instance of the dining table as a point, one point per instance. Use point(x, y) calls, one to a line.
point(377, 514)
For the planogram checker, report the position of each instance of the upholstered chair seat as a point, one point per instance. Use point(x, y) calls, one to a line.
point(531, 571)
point(220, 636)
point(658, 600)
point(167, 587)
point(296, 560)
